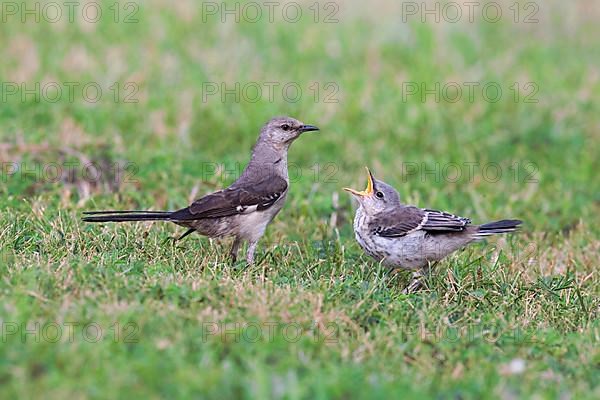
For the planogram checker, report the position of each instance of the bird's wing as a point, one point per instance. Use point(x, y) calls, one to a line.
point(405, 220)
point(399, 222)
point(443, 221)
point(237, 199)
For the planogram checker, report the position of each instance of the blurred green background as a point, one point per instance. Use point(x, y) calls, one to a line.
point(176, 117)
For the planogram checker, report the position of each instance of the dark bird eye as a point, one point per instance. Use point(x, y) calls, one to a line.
point(285, 127)
point(379, 194)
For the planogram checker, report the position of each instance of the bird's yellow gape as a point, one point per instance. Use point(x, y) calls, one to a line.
point(370, 185)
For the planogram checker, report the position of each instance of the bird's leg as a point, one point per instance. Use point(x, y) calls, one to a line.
point(234, 249)
point(250, 252)
point(416, 283)
point(418, 277)
point(189, 231)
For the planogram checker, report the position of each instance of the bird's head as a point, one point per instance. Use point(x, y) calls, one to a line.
point(378, 196)
point(280, 132)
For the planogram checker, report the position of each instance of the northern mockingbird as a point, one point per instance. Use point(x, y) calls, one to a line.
point(408, 237)
point(244, 209)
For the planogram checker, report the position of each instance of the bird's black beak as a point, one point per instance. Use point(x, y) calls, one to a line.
point(308, 128)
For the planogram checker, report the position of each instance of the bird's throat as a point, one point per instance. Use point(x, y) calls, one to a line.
point(269, 158)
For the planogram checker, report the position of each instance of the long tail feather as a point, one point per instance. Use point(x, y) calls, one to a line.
point(123, 212)
point(125, 216)
point(503, 226)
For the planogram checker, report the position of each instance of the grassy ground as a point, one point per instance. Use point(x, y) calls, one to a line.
point(118, 310)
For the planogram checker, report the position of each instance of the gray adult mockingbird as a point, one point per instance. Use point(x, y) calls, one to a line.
point(408, 237)
point(244, 209)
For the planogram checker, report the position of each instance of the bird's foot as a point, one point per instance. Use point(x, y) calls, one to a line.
point(415, 284)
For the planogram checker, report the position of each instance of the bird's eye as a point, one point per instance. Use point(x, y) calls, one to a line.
point(285, 127)
point(379, 195)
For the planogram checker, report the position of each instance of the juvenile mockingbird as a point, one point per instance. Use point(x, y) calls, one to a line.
point(408, 237)
point(244, 209)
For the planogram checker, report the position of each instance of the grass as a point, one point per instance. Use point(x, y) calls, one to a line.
point(315, 318)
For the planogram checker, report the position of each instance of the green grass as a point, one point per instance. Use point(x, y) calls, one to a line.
point(516, 318)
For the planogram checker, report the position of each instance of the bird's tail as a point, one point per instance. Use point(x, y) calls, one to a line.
point(123, 216)
point(504, 226)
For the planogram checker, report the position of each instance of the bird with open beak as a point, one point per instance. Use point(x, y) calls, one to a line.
point(409, 237)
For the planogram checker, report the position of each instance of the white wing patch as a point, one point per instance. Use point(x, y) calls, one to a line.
point(246, 209)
